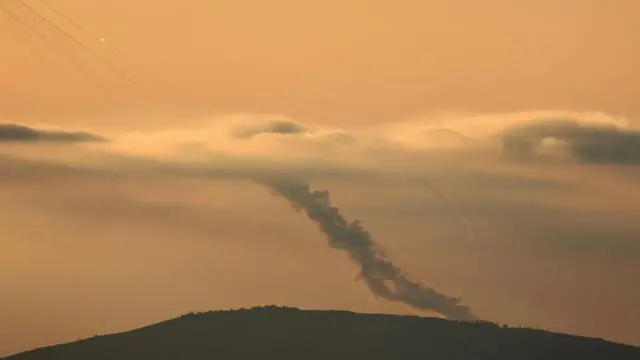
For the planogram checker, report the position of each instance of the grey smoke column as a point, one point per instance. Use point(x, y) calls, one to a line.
point(383, 277)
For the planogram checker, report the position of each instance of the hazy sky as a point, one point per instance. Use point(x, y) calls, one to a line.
point(338, 61)
point(375, 101)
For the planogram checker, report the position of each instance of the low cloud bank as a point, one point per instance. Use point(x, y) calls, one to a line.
point(21, 133)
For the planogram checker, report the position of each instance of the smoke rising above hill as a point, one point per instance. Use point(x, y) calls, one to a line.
point(270, 148)
point(384, 278)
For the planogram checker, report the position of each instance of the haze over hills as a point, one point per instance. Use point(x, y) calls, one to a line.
point(290, 333)
point(475, 162)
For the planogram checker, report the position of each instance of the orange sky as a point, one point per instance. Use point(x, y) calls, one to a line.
point(356, 61)
point(84, 255)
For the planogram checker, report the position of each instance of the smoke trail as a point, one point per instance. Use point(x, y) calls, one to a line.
point(384, 278)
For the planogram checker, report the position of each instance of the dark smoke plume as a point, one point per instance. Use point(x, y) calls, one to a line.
point(384, 278)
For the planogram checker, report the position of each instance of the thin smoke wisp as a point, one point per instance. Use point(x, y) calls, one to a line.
point(384, 278)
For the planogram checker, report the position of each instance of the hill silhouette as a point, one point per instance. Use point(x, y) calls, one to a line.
point(274, 332)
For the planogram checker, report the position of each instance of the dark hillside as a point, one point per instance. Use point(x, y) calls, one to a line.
point(288, 333)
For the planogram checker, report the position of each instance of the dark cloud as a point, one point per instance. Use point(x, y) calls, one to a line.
point(275, 127)
point(21, 133)
point(586, 143)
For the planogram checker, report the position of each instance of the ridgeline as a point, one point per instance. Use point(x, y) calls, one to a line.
point(282, 333)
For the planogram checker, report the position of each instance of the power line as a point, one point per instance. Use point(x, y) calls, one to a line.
point(69, 20)
point(77, 42)
point(55, 53)
point(74, 23)
point(103, 61)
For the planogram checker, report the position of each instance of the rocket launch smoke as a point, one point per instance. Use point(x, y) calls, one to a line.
point(384, 278)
